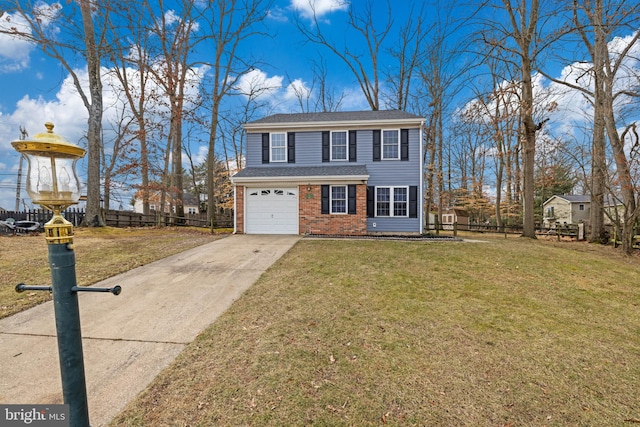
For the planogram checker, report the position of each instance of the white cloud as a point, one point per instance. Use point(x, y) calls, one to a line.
point(14, 50)
point(171, 17)
point(319, 8)
point(277, 14)
point(257, 85)
point(261, 87)
point(295, 90)
point(46, 14)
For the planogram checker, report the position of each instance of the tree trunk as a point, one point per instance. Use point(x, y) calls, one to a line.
point(529, 150)
point(93, 215)
point(211, 166)
point(598, 154)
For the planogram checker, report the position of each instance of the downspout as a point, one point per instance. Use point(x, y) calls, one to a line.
point(235, 210)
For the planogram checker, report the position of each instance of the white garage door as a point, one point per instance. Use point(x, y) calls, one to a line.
point(272, 211)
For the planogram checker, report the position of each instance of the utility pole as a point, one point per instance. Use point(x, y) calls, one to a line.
point(23, 136)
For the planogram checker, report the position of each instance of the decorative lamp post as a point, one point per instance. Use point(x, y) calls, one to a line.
point(52, 182)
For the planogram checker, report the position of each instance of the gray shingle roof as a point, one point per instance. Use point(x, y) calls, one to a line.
point(579, 198)
point(337, 116)
point(302, 171)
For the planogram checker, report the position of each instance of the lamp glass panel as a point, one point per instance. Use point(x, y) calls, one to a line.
point(52, 181)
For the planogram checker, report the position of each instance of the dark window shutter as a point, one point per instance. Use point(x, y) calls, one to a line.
point(265, 148)
point(352, 146)
point(291, 147)
point(376, 145)
point(404, 144)
point(413, 201)
point(351, 191)
point(325, 199)
point(325, 146)
point(371, 201)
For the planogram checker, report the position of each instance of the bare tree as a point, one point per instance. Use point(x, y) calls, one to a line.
point(519, 41)
point(93, 44)
point(231, 122)
point(365, 66)
point(606, 82)
point(326, 98)
point(319, 95)
point(229, 23)
point(112, 160)
point(174, 32)
point(131, 65)
point(497, 113)
point(440, 79)
point(408, 55)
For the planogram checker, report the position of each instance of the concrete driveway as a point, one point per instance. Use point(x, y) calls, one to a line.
point(128, 339)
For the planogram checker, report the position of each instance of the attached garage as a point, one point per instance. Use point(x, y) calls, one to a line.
point(271, 210)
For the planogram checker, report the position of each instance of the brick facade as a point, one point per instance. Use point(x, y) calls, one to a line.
point(312, 221)
point(239, 209)
point(310, 218)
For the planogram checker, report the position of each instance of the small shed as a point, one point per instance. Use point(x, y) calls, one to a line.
point(455, 216)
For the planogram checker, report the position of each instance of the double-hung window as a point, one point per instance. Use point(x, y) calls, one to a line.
point(391, 144)
point(339, 145)
point(392, 201)
point(278, 147)
point(339, 199)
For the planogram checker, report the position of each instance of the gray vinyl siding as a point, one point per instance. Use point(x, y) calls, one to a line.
point(392, 173)
point(309, 153)
point(254, 150)
point(309, 149)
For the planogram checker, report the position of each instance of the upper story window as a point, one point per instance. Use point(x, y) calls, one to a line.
point(339, 145)
point(278, 147)
point(581, 207)
point(391, 144)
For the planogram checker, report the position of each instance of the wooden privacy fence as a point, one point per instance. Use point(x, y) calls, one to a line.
point(126, 219)
point(74, 216)
point(133, 219)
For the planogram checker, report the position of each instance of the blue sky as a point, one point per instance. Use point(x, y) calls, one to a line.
point(35, 88)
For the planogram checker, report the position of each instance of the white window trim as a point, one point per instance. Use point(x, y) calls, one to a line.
point(346, 200)
point(382, 157)
point(346, 158)
point(271, 160)
point(391, 202)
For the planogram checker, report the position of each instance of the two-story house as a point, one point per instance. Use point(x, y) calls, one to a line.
point(347, 173)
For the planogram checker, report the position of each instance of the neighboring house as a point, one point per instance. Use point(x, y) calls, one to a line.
point(351, 173)
point(191, 205)
point(566, 208)
point(455, 216)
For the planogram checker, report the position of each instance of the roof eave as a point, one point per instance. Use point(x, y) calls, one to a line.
point(336, 124)
point(298, 178)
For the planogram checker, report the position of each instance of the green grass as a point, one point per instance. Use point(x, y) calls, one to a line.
point(366, 333)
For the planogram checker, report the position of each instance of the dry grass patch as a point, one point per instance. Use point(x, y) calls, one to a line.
point(365, 333)
point(100, 253)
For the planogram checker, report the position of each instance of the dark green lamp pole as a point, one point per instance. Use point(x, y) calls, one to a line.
point(52, 182)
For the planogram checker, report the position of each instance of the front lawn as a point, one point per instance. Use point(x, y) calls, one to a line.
point(509, 332)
